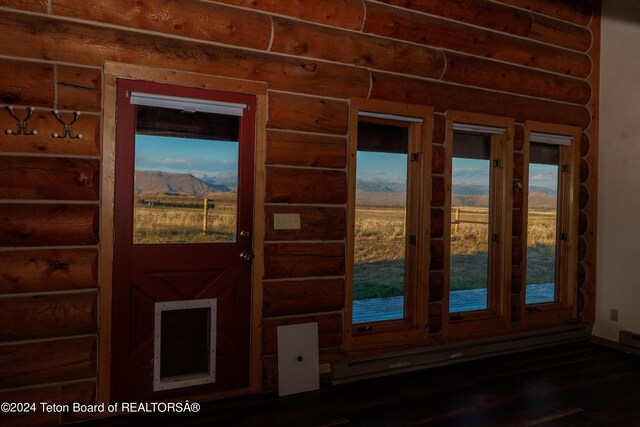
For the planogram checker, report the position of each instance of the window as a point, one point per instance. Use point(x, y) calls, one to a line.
point(550, 215)
point(477, 237)
point(186, 169)
point(388, 239)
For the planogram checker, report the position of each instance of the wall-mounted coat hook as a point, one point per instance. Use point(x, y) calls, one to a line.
point(22, 126)
point(67, 129)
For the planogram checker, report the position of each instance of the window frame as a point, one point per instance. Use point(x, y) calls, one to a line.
point(497, 316)
point(565, 305)
point(413, 327)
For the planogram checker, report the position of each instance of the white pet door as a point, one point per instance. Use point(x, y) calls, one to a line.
point(185, 344)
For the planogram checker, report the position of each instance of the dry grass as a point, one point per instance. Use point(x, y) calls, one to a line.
point(380, 246)
point(153, 224)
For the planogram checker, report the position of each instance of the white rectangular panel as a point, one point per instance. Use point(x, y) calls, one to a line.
point(298, 358)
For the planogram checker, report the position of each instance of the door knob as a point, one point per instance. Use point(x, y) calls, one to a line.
point(246, 256)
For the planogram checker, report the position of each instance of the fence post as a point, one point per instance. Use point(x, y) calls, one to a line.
point(204, 220)
point(457, 220)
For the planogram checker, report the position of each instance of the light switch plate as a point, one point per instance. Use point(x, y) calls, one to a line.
point(286, 221)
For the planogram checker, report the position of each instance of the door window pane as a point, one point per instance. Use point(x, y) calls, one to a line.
point(470, 201)
point(542, 221)
point(379, 286)
point(186, 176)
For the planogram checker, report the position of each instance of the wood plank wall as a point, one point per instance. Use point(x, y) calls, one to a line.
point(528, 59)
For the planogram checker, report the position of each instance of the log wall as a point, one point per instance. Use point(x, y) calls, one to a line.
point(527, 59)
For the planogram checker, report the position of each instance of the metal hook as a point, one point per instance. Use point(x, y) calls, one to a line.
point(67, 129)
point(22, 126)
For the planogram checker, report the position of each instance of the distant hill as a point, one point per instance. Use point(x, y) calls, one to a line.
point(385, 193)
point(181, 184)
point(380, 186)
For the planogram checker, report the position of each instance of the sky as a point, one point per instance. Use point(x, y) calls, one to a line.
point(208, 157)
point(392, 167)
point(374, 166)
point(186, 155)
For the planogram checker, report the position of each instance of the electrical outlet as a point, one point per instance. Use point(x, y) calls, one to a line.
point(614, 314)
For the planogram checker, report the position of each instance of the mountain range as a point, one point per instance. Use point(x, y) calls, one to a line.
point(180, 184)
point(380, 193)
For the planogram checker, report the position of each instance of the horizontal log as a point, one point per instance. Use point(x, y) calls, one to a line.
point(48, 270)
point(437, 32)
point(582, 248)
point(518, 166)
point(445, 97)
point(316, 223)
point(329, 330)
point(482, 73)
point(26, 83)
point(583, 198)
point(185, 18)
point(516, 223)
point(435, 317)
point(518, 137)
point(47, 362)
point(585, 144)
point(578, 12)
point(303, 39)
point(289, 185)
point(46, 124)
point(30, 5)
point(302, 297)
point(516, 251)
point(37, 418)
point(49, 178)
point(500, 17)
point(516, 278)
point(560, 33)
point(48, 225)
point(517, 195)
point(291, 260)
point(334, 13)
point(436, 286)
point(482, 13)
point(439, 129)
point(79, 88)
point(584, 171)
point(82, 392)
point(437, 255)
point(91, 45)
point(437, 223)
point(437, 190)
point(48, 316)
point(307, 114)
point(298, 149)
point(437, 159)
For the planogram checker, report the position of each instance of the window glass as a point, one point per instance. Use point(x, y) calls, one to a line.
point(186, 176)
point(542, 220)
point(470, 204)
point(379, 285)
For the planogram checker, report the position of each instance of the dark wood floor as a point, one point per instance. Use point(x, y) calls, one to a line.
point(579, 384)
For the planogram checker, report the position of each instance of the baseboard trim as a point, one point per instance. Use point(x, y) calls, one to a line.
point(447, 354)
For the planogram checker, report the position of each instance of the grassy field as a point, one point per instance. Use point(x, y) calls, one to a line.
point(380, 240)
point(182, 224)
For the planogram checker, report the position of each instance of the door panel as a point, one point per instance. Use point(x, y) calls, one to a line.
point(177, 165)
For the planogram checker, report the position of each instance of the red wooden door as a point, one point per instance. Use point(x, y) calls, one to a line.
point(183, 217)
